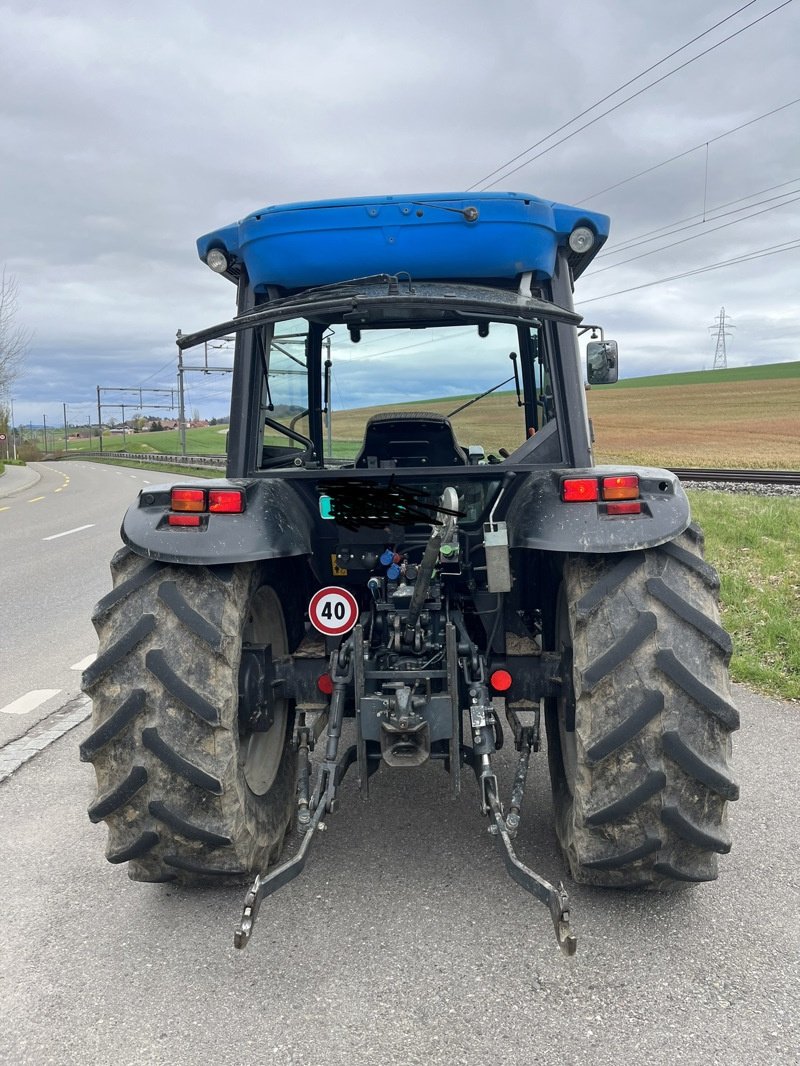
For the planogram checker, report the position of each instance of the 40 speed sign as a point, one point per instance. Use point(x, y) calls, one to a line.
point(333, 611)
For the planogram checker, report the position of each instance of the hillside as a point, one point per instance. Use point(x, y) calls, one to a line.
point(744, 416)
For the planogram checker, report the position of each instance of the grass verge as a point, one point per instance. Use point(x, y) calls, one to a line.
point(754, 542)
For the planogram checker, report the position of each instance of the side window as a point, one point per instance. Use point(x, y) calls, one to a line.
point(541, 373)
point(284, 390)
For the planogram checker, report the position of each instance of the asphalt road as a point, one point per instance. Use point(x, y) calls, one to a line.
point(404, 941)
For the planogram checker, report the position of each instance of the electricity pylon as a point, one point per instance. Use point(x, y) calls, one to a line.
point(720, 353)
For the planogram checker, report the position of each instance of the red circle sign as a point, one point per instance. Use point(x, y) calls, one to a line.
point(333, 611)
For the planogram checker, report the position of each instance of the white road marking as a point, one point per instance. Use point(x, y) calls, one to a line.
point(145, 481)
point(36, 499)
point(66, 533)
point(84, 663)
point(30, 701)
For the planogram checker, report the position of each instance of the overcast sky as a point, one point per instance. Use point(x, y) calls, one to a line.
point(129, 130)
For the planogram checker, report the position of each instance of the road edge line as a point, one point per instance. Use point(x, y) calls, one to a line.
point(40, 736)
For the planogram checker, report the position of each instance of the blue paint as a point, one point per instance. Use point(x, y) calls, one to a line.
point(428, 236)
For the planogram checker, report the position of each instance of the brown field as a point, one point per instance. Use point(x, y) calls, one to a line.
point(752, 424)
point(724, 424)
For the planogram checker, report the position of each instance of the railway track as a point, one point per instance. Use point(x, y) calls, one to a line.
point(733, 477)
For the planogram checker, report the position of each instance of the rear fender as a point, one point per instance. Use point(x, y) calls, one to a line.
point(538, 518)
point(275, 525)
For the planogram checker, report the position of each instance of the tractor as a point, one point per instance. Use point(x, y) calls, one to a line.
point(411, 533)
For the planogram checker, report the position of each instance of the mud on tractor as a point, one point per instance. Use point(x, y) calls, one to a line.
point(446, 572)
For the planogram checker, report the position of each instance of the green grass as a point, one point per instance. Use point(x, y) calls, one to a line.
point(208, 440)
point(754, 541)
point(767, 371)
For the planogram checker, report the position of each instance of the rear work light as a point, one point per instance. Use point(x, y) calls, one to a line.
point(579, 489)
point(225, 501)
point(625, 487)
point(188, 500)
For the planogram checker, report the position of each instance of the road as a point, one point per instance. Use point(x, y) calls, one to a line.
point(404, 942)
point(59, 527)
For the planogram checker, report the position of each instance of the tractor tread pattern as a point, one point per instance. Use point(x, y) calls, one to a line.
point(641, 801)
point(165, 740)
point(676, 820)
point(707, 698)
point(651, 705)
point(657, 587)
point(200, 869)
point(157, 664)
point(128, 710)
point(619, 861)
point(624, 806)
point(145, 842)
point(170, 594)
point(686, 558)
point(125, 588)
point(113, 655)
point(195, 775)
point(695, 765)
point(611, 579)
point(186, 829)
point(627, 644)
point(119, 796)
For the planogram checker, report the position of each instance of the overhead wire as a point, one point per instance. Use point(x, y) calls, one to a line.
point(775, 249)
point(526, 162)
point(608, 96)
point(676, 225)
point(694, 236)
point(688, 151)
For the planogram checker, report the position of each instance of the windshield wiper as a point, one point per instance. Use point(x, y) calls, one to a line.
point(475, 399)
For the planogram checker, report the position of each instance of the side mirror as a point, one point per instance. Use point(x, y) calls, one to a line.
point(602, 367)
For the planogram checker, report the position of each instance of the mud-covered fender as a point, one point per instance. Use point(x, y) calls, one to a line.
point(275, 524)
point(538, 518)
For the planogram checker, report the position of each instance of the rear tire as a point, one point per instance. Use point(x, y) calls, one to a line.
point(185, 794)
point(639, 743)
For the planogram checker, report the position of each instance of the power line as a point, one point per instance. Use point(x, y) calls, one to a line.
point(694, 236)
point(773, 249)
point(627, 99)
point(614, 92)
point(680, 155)
point(672, 227)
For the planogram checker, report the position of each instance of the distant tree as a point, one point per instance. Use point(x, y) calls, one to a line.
point(14, 339)
point(156, 427)
point(212, 422)
point(195, 414)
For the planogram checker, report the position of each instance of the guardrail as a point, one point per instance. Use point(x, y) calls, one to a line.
point(214, 461)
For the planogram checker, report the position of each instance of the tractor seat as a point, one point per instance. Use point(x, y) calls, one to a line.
point(418, 438)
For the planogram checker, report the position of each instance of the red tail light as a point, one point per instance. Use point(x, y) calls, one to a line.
point(187, 500)
point(325, 684)
point(225, 501)
point(633, 507)
point(579, 489)
point(183, 520)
